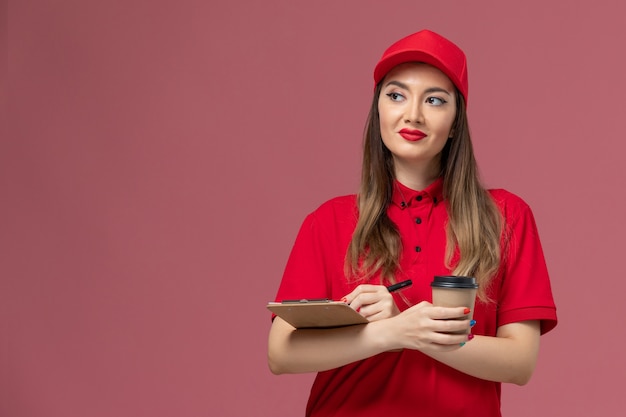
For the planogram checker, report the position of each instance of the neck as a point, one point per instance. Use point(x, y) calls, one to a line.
point(416, 177)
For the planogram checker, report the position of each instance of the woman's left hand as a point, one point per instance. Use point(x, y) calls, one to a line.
point(373, 302)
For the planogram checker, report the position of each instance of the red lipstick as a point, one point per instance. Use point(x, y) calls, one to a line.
point(412, 135)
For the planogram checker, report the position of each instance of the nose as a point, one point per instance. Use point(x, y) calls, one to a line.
point(413, 112)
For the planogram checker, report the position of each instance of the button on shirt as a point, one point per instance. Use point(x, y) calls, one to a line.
point(419, 215)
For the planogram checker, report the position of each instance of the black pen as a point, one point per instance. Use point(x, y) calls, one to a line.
point(399, 285)
point(391, 288)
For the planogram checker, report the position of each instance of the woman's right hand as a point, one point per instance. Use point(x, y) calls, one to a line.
point(428, 328)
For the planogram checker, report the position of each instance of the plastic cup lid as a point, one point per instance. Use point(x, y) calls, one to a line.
point(454, 281)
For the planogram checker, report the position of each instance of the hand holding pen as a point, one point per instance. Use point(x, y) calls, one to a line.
point(375, 302)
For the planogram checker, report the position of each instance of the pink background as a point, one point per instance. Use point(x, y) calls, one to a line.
point(159, 157)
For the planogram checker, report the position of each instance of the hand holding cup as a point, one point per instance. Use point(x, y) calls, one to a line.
point(455, 291)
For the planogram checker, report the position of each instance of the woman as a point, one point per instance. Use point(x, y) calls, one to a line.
point(420, 211)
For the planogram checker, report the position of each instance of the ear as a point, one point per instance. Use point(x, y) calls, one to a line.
point(451, 134)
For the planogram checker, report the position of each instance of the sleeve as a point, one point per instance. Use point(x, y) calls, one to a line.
point(315, 268)
point(304, 275)
point(525, 292)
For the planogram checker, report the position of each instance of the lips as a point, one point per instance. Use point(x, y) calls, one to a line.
point(412, 135)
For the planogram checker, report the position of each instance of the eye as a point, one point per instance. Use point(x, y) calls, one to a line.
point(395, 96)
point(436, 101)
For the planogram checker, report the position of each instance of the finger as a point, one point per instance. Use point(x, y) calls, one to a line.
point(445, 313)
point(358, 303)
point(369, 311)
point(361, 289)
point(447, 339)
point(379, 315)
point(451, 326)
point(367, 298)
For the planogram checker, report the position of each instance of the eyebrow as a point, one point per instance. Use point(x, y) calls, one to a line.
point(428, 90)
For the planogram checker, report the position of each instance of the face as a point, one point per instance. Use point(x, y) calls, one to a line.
point(417, 107)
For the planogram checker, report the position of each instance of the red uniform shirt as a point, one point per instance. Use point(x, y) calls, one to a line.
point(409, 383)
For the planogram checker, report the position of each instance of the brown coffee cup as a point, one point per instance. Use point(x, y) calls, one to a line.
point(455, 291)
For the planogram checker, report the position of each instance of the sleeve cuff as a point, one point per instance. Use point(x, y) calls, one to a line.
point(546, 315)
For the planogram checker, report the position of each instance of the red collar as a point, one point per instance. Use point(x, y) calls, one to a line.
point(404, 196)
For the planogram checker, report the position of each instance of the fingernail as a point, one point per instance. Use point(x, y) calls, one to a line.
point(470, 336)
point(466, 311)
point(472, 323)
point(344, 300)
point(462, 344)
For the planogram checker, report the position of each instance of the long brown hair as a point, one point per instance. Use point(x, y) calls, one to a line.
point(474, 225)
